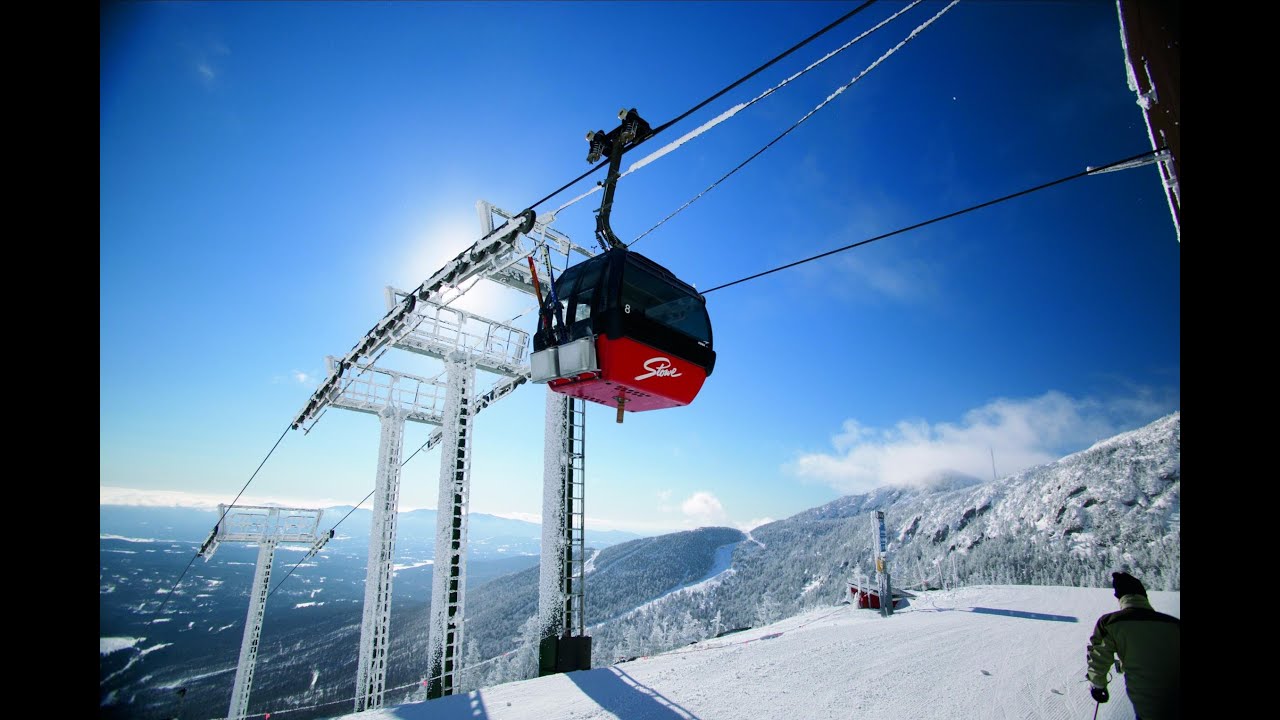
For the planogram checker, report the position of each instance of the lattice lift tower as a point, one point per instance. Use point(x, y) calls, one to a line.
point(395, 398)
point(420, 321)
point(268, 527)
point(564, 645)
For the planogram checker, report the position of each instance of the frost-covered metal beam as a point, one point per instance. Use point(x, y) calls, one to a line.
point(439, 330)
point(502, 389)
point(448, 585)
point(555, 468)
point(268, 527)
point(513, 272)
point(564, 644)
point(243, 683)
point(375, 389)
point(469, 263)
point(375, 625)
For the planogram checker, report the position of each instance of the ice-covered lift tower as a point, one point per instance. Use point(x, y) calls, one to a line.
point(395, 398)
point(564, 645)
point(420, 321)
point(268, 527)
point(464, 342)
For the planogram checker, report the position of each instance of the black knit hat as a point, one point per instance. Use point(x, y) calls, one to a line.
point(1126, 584)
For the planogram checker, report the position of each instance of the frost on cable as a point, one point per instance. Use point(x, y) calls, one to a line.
point(684, 138)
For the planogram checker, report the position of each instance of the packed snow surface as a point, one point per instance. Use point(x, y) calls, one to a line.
point(979, 653)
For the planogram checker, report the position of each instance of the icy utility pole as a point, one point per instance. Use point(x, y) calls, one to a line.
point(880, 547)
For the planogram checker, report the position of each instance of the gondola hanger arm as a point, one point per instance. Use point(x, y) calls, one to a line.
point(632, 131)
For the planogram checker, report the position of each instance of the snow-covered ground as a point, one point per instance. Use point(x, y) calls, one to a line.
point(978, 653)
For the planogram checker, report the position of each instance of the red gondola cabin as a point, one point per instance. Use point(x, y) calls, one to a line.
point(621, 330)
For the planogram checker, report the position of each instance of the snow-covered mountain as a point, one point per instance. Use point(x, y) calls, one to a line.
point(489, 536)
point(1070, 522)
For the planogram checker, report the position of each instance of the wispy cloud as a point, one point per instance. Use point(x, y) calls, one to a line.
point(301, 377)
point(204, 59)
point(522, 516)
point(1018, 433)
point(907, 281)
point(702, 508)
point(664, 502)
point(110, 495)
point(886, 273)
point(750, 525)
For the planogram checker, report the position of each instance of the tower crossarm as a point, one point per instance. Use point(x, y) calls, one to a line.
point(509, 268)
point(258, 523)
point(267, 527)
point(439, 330)
point(375, 389)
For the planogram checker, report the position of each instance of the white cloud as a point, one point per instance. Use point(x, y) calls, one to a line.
point(109, 495)
point(750, 525)
point(664, 504)
point(301, 377)
point(703, 508)
point(204, 59)
point(886, 274)
point(905, 281)
point(523, 516)
point(1019, 433)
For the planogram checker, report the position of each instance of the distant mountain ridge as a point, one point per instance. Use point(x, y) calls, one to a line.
point(415, 529)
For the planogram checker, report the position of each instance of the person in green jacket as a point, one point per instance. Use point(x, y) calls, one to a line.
point(1144, 645)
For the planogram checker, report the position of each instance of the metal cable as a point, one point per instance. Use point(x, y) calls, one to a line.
point(807, 115)
point(940, 218)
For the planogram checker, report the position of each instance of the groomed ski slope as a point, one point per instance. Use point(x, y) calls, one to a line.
point(977, 653)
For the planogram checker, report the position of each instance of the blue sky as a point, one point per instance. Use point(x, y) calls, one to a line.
point(266, 169)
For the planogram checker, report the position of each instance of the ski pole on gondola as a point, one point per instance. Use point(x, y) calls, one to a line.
point(561, 333)
point(537, 289)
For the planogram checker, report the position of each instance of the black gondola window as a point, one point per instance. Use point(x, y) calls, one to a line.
point(581, 304)
point(647, 295)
